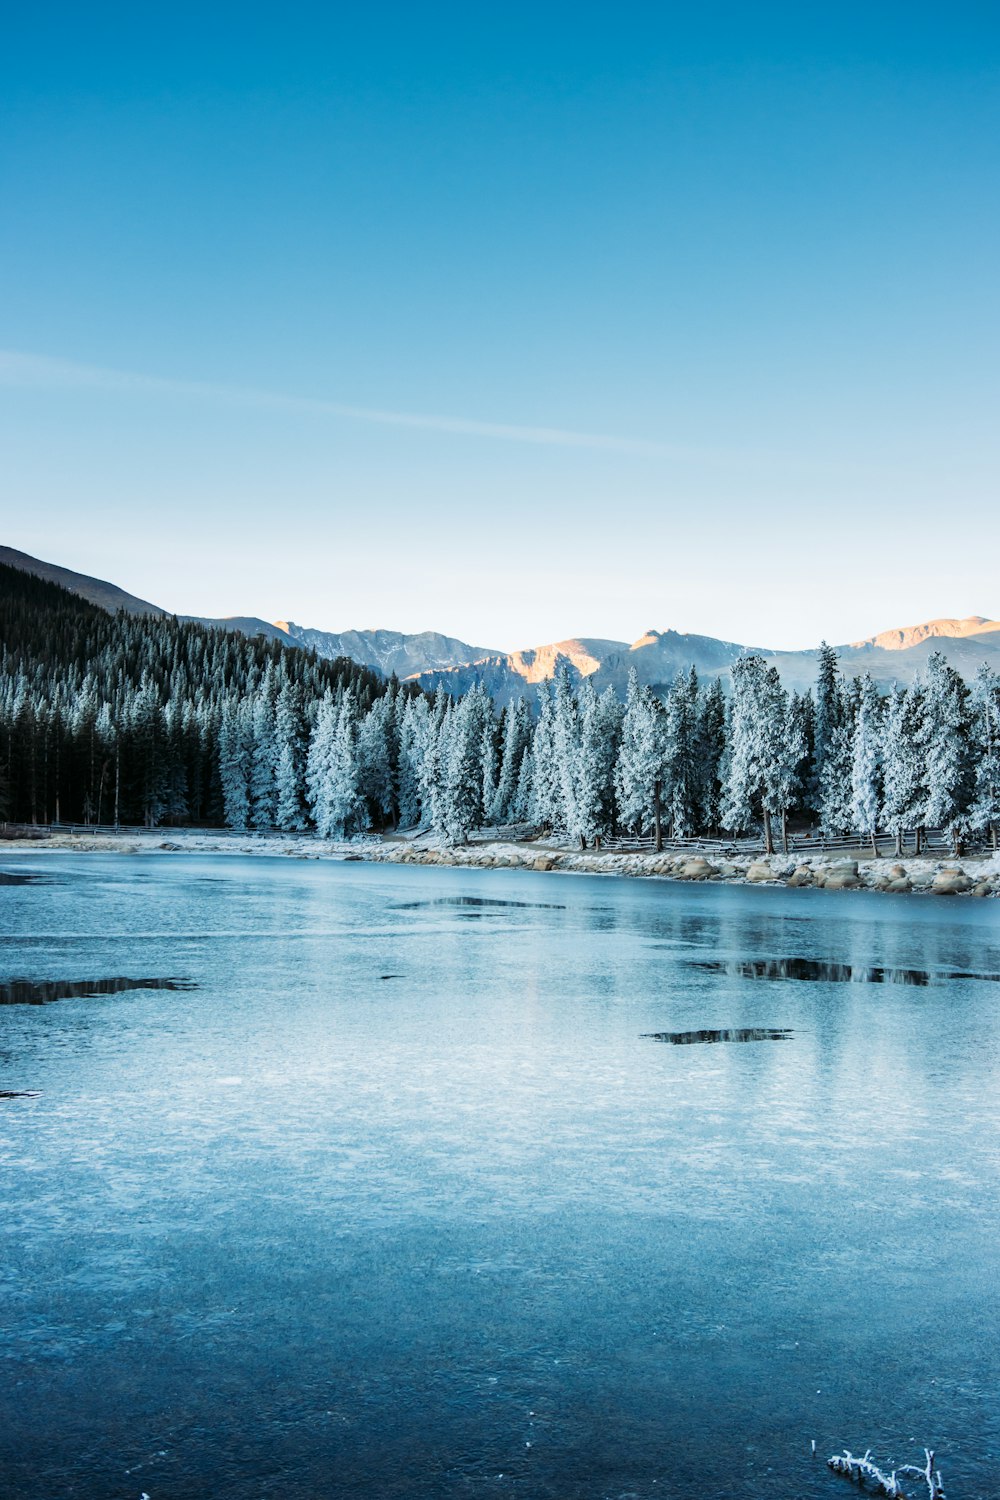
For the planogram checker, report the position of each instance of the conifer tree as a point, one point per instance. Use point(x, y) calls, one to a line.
point(903, 790)
point(985, 705)
point(866, 770)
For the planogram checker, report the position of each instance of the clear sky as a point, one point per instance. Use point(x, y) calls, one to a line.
point(697, 307)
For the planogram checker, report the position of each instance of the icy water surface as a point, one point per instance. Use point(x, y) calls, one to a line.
point(382, 1183)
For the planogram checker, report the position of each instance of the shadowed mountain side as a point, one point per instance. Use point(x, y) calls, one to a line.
point(105, 595)
point(245, 625)
point(432, 659)
point(388, 651)
point(110, 597)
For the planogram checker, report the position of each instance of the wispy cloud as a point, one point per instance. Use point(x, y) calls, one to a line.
point(41, 372)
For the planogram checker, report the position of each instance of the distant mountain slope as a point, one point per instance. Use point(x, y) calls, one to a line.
point(244, 624)
point(106, 595)
point(658, 656)
point(913, 635)
point(110, 597)
point(433, 659)
point(388, 651)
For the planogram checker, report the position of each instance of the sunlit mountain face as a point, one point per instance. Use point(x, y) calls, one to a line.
point(434, 659)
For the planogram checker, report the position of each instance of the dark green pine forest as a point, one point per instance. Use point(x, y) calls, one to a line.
point(117, 718)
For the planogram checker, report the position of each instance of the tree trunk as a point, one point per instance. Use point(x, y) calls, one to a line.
point(657, 824)
point(768, 840)
point(784, 830)
point(899, 843)
point(874, 844)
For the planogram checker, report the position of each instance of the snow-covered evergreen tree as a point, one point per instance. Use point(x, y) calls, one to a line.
point(944, 741)
point(711, 751)
point(517, 730)
point(985, 735)
point(639, 773)
point(290, 744)
point(866, 762)
point(903, 789)
point(836, 769)
point(413, 733)
point(545, 804)
point(234, 769)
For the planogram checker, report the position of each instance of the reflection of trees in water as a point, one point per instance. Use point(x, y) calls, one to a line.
point(727, 1034)
point(834, 973)
point(41, 992)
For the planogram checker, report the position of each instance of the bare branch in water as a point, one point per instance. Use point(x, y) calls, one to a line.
point(863, 1471)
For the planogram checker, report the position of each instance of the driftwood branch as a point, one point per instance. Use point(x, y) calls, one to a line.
point(930, 1475)
point(865, 1472)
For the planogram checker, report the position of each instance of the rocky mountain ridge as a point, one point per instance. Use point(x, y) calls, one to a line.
point(434, 659)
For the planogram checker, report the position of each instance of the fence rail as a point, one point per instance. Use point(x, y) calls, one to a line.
point(933, 841)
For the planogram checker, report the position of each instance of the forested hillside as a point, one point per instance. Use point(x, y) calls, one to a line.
point(135, 719)
point(108, 718)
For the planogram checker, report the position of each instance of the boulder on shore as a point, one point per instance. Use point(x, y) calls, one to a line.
point(694, 869)
point(802, 875)
point(950, 882)
point(842, 876)
point(760, 870)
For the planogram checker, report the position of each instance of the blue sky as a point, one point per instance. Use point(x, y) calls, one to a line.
point(701, 304)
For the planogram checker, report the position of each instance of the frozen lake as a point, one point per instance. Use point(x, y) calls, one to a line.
point(416, 1182)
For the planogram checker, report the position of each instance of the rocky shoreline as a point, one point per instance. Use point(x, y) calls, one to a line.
point(977, 875)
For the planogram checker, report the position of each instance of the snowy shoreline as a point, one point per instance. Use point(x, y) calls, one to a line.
point(976, 875)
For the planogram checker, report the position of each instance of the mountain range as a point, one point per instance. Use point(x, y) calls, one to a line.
point(433, 659)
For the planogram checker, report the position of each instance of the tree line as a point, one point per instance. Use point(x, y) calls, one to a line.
point(147, 720)
point(124, 719)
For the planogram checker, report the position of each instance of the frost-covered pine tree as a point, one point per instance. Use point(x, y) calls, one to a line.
point(289, 736)
point(835, 810)
point(680, 767)
point(432, 772)
point(545, 803)
point(413, 733)
point(639, 773)
point(234, 765)
point(460, 804)
point(828, 717)
point(601, 743)
point(488, 768)
point(903, 789)
point(263, 769)
point(521, 807)
point(744, 785)
point(332, 769)
point(711, 750)
point(866, 762)
point(944, 741)
point(376, 760)
point(985, 705)
point(516, 738)
point(588, 786)
point(566, 748)
point(787, 775)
